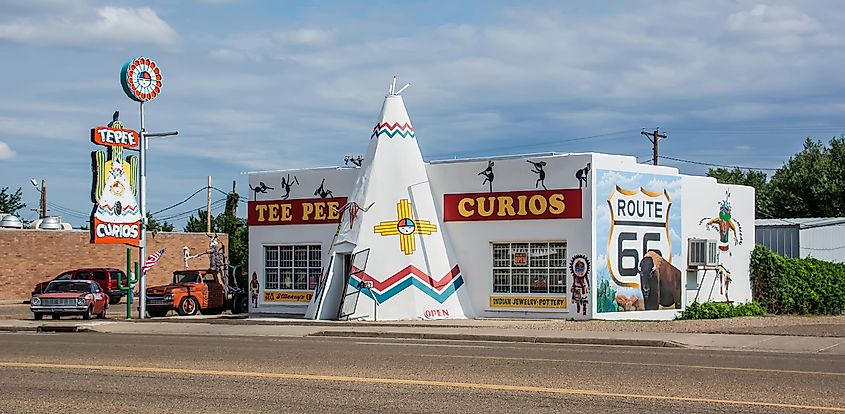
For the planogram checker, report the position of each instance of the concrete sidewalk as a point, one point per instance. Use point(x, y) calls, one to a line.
point(479, 330)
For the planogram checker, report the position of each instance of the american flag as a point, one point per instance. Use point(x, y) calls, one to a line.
point(152, 260)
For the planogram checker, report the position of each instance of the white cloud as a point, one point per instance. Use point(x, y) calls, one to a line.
point(305, 37)
point(103, 28)
point(770, 20)
point(6, 152)
point(36, 128)
point(227, 55)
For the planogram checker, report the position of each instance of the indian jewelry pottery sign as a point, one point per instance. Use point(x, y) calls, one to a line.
point(116, 218)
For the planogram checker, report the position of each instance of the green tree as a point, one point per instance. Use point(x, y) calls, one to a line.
point(811, 183)
point(197, 223)
point(154, 225)
point(11, 202)
point(756, 179)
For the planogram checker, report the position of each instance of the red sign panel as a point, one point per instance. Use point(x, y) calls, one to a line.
point(299, 211)
point(114, 137)
point(116, 233)
point(513, 205)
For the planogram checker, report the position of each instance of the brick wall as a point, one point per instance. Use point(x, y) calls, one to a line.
point(31, 256)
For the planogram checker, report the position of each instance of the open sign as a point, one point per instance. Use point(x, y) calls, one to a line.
point(520, 259)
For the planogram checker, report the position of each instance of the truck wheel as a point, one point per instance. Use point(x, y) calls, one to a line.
point(114, 301)
point(87, 314)
point(188, 306)
point(240, 304)
point(157, 313)
point(37, 316)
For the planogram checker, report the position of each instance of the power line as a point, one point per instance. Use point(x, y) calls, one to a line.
point(67, 211)
point(217, 203)
point(717, 165)
point(181, 202)
point(240, 197)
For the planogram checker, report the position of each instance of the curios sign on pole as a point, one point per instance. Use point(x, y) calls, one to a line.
point(141, 79)
point(116, 218)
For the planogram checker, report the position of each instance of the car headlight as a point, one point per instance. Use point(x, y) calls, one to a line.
point(80, 301)
point(35, 301)
point(168, 298)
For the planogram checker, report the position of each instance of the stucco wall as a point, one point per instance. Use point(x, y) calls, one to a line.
point(704, 197)
point(31, 256)
point(472, 240)
point(338, 180)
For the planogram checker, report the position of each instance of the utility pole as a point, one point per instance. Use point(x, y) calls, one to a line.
point(654, 137)
point(234, 193)
point(43, 198)
point(208, 212)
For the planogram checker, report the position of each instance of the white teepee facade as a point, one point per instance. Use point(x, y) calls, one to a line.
point(411, 272)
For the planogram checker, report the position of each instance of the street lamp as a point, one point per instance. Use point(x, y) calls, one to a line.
point(43, 191)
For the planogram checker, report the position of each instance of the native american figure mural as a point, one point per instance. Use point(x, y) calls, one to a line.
point(726, 225)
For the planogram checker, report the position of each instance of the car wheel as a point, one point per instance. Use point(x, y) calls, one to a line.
point(157, 313)
point(114, 301)
point(102, 315)
point(54, 316)
point(87, 314)
point(188, 306)
point(37, 316)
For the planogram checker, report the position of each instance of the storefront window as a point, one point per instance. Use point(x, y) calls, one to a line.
point(292, 267)
point(529, 267)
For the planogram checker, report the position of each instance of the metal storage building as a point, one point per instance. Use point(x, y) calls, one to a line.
point(821, 238)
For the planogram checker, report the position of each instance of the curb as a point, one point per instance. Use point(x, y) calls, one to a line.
point(18, 328)
point(305, 322)
point(502, 338)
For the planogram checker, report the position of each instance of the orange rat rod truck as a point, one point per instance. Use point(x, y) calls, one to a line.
point(193, 291)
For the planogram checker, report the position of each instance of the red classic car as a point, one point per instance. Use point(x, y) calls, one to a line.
point(70, 297)
point(106, 277)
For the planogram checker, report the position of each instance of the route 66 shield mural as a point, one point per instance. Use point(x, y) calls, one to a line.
point(638, 227)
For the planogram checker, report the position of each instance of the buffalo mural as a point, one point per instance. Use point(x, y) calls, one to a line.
point(660, 282)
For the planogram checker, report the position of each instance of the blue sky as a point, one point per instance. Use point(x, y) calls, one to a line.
point(273, 85)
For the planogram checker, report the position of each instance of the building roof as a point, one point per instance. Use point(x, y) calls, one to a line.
point(803, 223)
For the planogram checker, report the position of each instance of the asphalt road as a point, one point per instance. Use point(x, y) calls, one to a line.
point(46, 373)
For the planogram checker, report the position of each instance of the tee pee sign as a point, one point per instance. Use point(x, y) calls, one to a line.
point(116, 218)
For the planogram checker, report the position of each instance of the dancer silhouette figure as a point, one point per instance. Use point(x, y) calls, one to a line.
point(488, 175)
point(538, 169)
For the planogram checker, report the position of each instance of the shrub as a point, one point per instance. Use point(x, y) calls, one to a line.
point(804, 286)
point(719, 310)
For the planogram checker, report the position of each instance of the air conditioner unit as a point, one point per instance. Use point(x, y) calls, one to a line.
point(712, 254)
point(701, 253)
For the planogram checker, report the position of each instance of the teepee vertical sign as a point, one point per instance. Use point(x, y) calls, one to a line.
point(116, 218)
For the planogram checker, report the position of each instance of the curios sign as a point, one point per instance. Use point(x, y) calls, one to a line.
point(116, 218)
point(513, 205)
